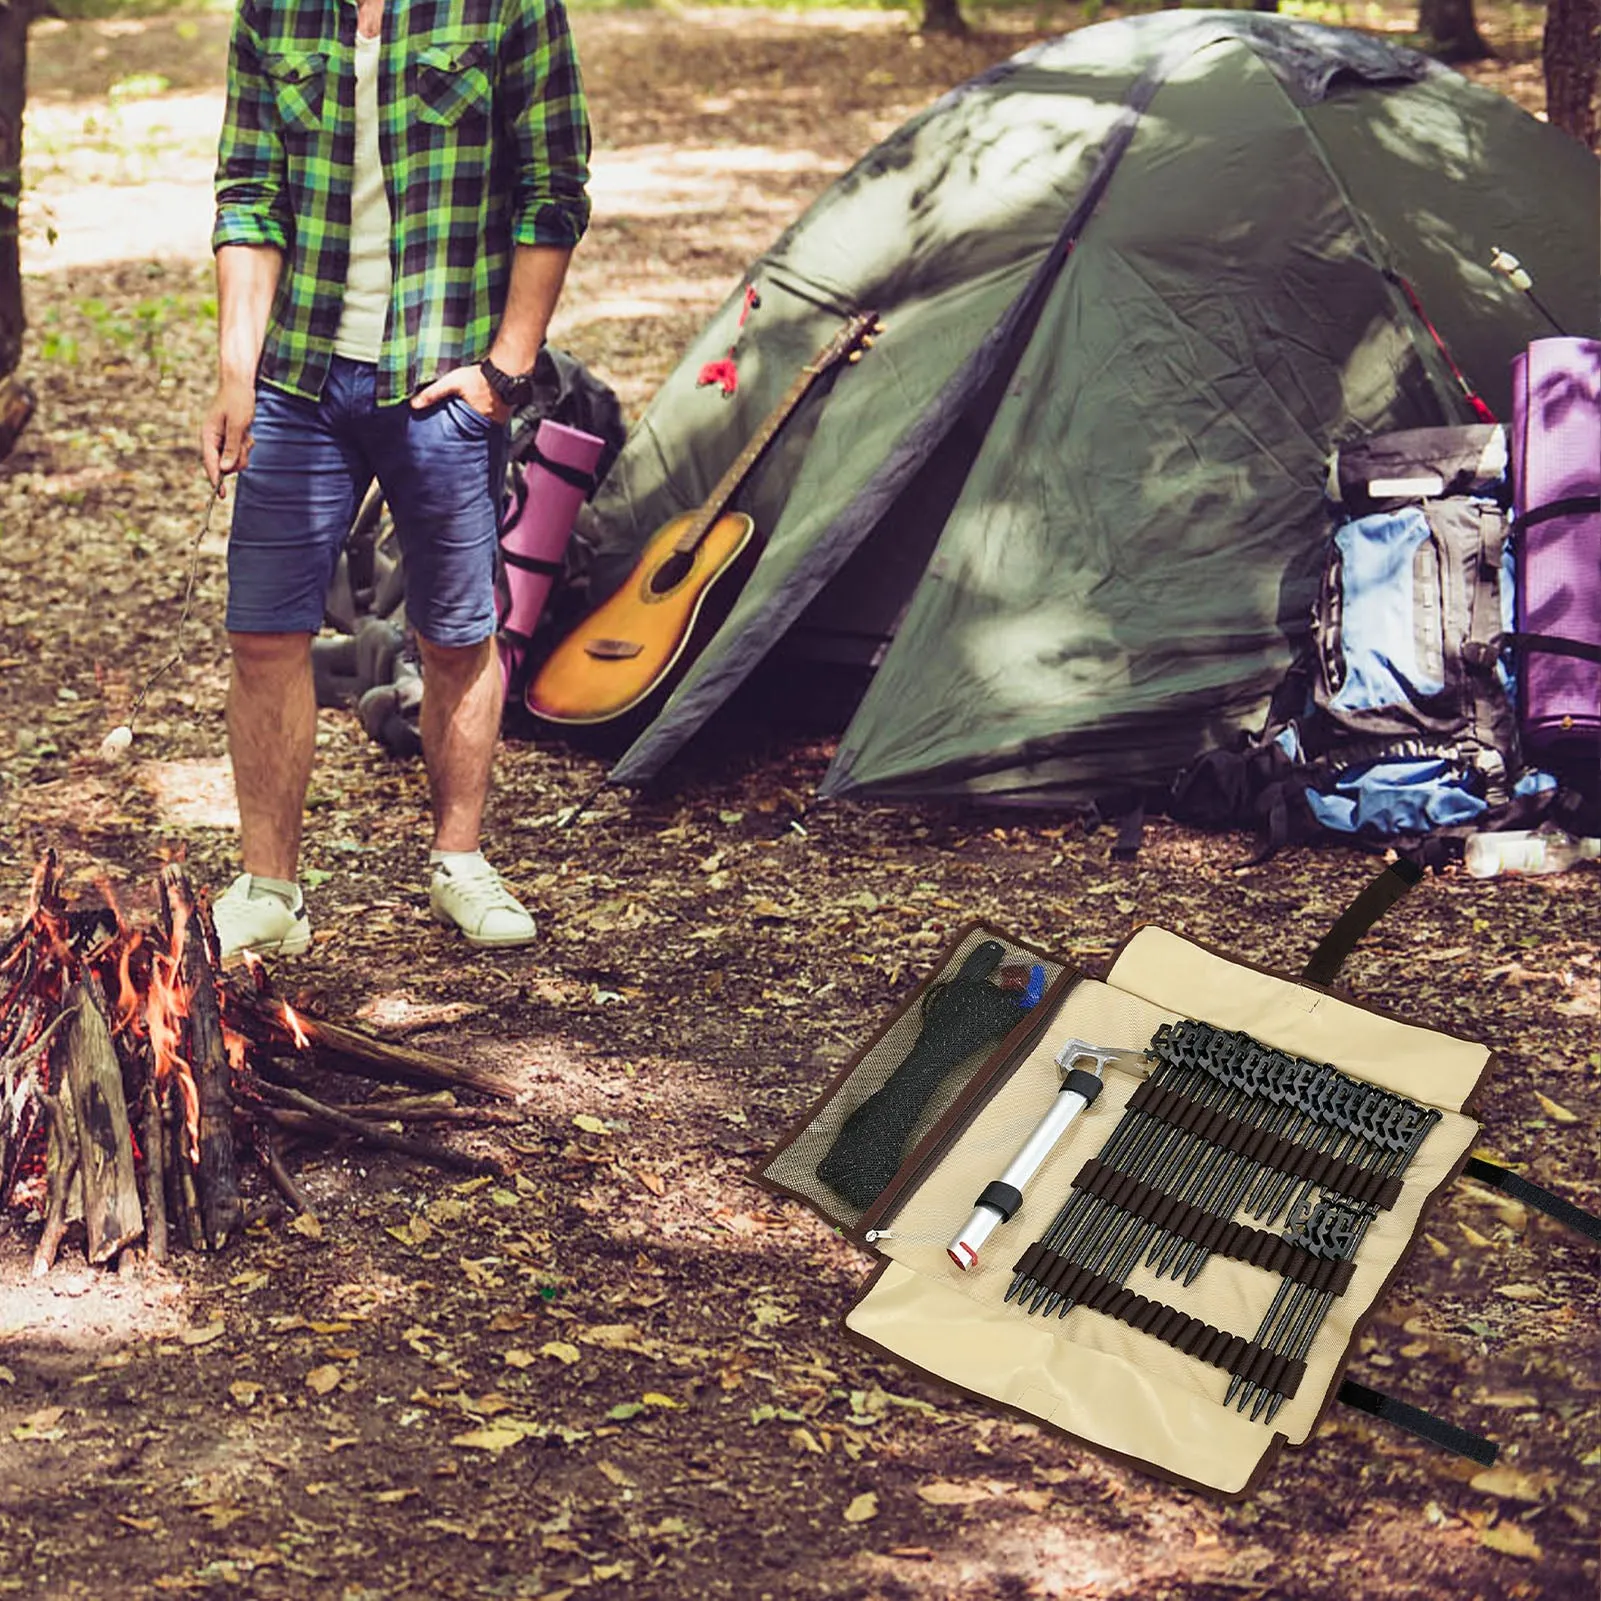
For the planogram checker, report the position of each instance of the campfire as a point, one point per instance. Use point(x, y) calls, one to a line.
point(138, 1083)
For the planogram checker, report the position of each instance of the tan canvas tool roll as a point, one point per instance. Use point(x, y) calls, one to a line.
point(1177, 1267)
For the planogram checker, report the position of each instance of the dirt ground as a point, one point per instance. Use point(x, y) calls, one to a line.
point(620, 1369)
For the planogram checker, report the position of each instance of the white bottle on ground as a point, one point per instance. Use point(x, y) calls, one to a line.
point(1514, 852)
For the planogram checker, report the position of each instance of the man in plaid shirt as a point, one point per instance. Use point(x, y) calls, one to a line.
point(398, 194)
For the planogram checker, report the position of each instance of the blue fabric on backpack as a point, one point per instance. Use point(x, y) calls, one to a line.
point(1410, 796)
point(1378, 628)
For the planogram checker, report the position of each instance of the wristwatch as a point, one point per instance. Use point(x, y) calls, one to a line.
point(510, 391)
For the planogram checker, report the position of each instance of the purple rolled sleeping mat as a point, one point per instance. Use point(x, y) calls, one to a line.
point(558, 473)
point(1556, 482)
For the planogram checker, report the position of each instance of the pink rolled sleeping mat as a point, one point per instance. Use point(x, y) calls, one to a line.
point(1556, 485)
point(558, 475)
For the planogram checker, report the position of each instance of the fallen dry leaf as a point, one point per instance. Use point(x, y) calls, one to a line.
point(325, 1378)
point(617, 1337)
point(524, 1359)
point(497, 1437)
point(862, 1508)
point(203, 1335)
point(1512, 1539)
point(416, 1231)
point(560, 1351)
point(1557, 1114)
point(306, 1223)
point(246, 1392)
point(943, 1493)
point(1512, 1485)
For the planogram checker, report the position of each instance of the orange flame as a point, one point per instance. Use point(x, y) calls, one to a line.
point(127, 987)
point(166, 1007)
point(41, 875)
point(302, 1039)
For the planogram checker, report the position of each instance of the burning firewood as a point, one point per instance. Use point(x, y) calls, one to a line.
point(188, 936)
point(131, 1070)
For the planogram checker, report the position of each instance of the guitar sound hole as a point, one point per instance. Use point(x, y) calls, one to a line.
point(671, 573)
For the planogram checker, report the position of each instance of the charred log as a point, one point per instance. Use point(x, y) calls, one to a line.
point(91, 1076)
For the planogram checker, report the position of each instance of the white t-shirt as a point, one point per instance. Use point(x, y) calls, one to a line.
point(367, 279)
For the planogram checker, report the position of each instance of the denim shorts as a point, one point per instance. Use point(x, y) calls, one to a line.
point(311, 461)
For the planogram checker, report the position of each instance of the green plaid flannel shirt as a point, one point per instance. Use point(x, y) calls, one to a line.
point(485, 143)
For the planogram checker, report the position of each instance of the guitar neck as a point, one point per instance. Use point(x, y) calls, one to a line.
point(727, 486)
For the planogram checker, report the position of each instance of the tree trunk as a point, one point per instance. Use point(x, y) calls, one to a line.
point(15, 15)
point(1450, 32)
point(16, 403)
point(1572, 51)
point(943, 16)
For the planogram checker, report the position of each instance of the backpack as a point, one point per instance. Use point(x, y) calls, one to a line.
point(1397, 720)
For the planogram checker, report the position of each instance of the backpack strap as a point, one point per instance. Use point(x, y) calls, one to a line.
point(1130, 834)
point(1369, 906)
point(1575, 506)
point(1416, 1421)
point(1552, 645)
point(575, 477)
point(1542, 1200)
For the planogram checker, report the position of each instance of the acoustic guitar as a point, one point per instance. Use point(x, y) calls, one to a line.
point(638, 641)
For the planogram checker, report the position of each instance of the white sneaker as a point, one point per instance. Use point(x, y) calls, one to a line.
point(259, 921)
point(472, 898)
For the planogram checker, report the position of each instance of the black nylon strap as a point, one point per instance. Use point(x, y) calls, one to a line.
point(1520, 1189)
point(531, 564)
point(1552, 645)
point(1005, 1198)
point(558, 469)
point(1576, 506)
point(1130, 834)
point(1357, 919)
point(1416, 1421)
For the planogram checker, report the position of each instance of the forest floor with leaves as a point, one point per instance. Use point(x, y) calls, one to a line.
point(620, 1369)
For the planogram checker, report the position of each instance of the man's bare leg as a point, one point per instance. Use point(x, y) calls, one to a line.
point(461, 702)
point(461, 705)
point(272, 738)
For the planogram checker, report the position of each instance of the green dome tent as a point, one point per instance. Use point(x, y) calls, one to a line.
point(1136, 283)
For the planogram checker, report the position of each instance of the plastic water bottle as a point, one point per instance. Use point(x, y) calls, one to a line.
point(1548, 851)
